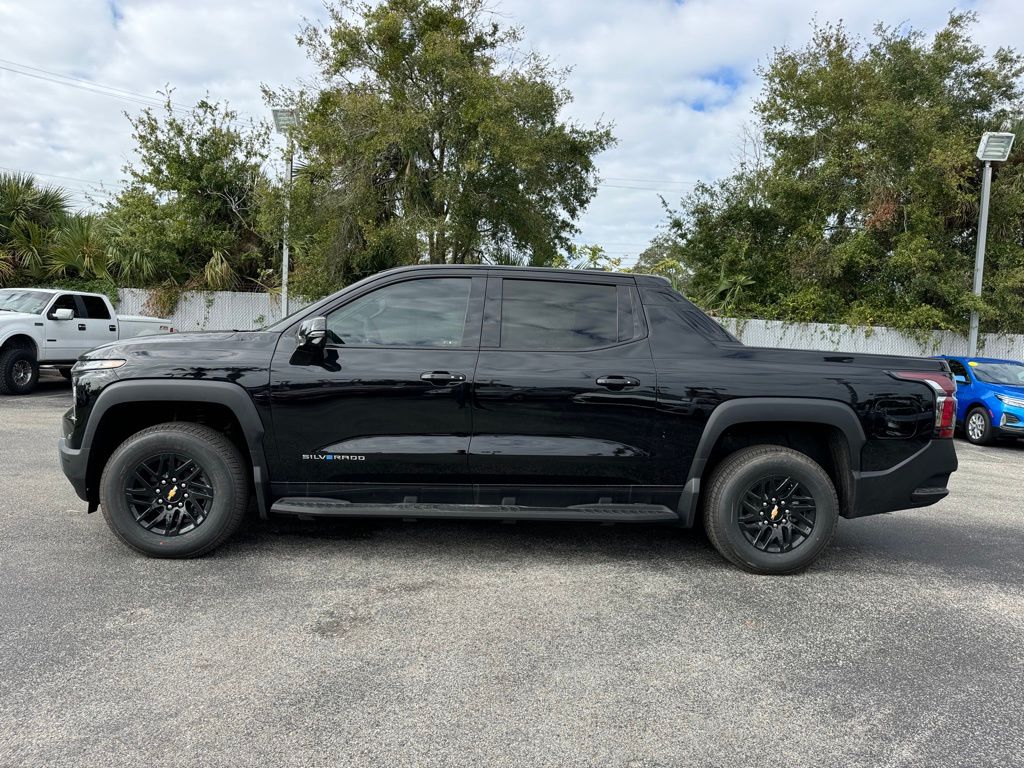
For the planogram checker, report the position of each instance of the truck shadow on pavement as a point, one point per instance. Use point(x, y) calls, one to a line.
point(886, 544)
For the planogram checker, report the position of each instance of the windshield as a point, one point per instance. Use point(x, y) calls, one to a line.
point(1010, 374)
point(17, 300)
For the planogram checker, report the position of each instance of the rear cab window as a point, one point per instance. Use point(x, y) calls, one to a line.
point(679, 326)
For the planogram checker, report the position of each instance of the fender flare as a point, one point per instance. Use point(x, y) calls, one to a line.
point(25, 334)
point(231, 396)
point(761, 409)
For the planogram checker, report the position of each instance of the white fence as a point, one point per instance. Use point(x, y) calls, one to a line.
point(871, 339)
point(213, 310)
point(221, 310)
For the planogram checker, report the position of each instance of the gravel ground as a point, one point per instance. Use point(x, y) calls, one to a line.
point(474, 643)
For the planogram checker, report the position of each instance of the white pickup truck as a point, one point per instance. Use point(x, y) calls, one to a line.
point(44, 327)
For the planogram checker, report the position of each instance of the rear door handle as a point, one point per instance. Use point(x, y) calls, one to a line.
point(442, 377)
point(618, 382)
point(81, 326)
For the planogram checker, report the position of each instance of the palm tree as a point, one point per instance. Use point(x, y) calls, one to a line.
point(29, 218)
point(79, 249)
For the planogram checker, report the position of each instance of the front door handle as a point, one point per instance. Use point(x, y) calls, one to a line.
point(616, 382)
point(442, 377)
point(81, 326)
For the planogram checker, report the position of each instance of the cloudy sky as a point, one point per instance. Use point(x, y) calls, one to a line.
point(676, 78)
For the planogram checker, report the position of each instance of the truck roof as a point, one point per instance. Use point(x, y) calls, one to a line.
point(58, 290)
point(582, 274)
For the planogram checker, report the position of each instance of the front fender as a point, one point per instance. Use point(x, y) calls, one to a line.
point(29, 332)
point(232, 396)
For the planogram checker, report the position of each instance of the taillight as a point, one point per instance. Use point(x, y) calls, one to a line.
point(945, 397)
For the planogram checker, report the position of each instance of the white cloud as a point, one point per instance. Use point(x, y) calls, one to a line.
point(677, 78)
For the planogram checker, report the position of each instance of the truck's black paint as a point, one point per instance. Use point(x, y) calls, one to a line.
point(525, 427)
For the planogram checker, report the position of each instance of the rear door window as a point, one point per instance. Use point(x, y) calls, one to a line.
point(557, 315)
point(95, 308)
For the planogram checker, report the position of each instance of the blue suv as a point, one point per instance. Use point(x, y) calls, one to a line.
point(990, 397)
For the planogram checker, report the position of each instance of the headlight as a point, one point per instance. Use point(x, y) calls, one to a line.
point(1015, 402)
point(95, 365)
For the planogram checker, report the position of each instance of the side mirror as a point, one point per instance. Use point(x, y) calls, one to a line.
point(64, 314)
point(960, 379)
point(312, 333)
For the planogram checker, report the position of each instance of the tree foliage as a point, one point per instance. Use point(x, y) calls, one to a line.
point(189, 211)
point(860, 203)
point(433, 138)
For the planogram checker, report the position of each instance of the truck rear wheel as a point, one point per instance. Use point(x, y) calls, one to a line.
point(19, 371)
point(175, 490)
point(770, 509)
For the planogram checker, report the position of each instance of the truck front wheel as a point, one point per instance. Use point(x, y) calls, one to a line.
point(770, 509)
point(175, 490)
point(19, 371)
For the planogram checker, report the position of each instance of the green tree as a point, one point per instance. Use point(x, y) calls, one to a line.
point(663, 257)
point(189, 212)
point(865, 208)
point(434, 138)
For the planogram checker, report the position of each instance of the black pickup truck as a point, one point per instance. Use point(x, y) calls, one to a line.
point(505, 393)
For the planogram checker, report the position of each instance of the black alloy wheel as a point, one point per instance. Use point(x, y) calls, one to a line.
point(169, 494)
point(777, 514)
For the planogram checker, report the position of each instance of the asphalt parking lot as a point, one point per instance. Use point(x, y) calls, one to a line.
point(479, 644)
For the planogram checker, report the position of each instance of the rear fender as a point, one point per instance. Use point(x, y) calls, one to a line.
point(767, 409)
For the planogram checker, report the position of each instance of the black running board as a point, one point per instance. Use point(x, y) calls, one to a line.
point(605, 513)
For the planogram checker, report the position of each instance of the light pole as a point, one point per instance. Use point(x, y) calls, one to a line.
point(994, 148)
point(284, 119)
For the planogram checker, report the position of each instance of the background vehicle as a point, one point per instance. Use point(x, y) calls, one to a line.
point(40, 326)
point(504, 393)
point(990, 397)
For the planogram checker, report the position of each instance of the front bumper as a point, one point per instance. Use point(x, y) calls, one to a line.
point(1010, 421)
point(919, 481)
point(74, 462)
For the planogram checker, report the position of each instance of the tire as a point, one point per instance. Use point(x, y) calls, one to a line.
point(65, 372)
point(221, 477)
point(19, 371)
point(978, 426)
point(732, 517)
